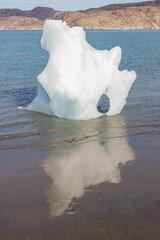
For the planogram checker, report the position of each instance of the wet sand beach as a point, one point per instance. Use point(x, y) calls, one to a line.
point(129, 209)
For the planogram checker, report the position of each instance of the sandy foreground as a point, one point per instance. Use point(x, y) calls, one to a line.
point(128, 210)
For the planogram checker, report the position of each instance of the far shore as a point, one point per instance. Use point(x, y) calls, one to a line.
point(142, 15)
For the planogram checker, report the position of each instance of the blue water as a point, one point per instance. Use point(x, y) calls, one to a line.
point(22, 59)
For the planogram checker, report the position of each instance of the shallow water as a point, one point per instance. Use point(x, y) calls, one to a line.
point(22, 60)
point(63, 179)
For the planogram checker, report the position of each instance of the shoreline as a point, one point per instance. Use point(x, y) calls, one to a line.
point(107, 29)
point(143, 15)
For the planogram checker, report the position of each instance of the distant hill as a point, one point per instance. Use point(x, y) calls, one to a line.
point(40, 13)
point(142, 15)
point(112, 7)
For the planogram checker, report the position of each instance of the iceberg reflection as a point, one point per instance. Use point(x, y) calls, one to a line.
point(74, 168)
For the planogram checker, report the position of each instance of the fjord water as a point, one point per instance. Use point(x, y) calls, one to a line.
point(22, 59)
point(99, 175)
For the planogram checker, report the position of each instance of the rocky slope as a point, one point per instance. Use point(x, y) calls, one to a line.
point(143, 15)
point(20, 23)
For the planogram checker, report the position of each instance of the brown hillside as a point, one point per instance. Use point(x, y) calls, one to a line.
point(142, 15)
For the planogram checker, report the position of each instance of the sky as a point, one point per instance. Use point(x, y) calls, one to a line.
point(62, 5)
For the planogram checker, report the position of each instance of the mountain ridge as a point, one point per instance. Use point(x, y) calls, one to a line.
point(40, 13)
point(141, 15)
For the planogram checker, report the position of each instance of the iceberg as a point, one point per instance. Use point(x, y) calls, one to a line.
point(77, 75)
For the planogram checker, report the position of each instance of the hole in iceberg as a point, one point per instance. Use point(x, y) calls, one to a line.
point(103, 104)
